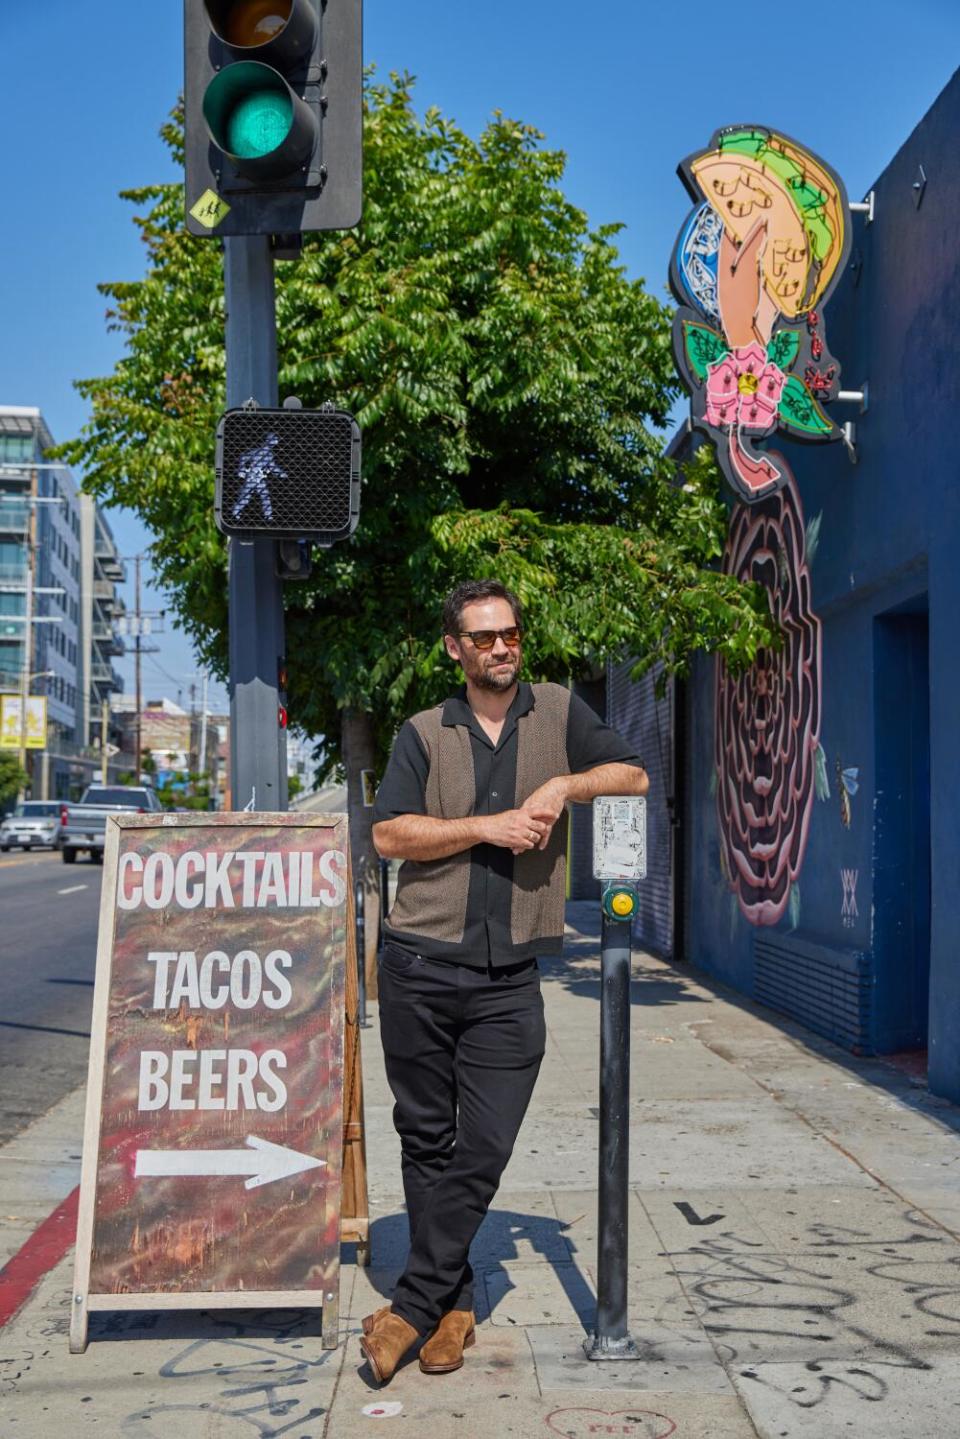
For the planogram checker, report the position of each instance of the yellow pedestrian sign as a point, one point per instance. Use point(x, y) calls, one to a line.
point(11, 735)
point(209, 210)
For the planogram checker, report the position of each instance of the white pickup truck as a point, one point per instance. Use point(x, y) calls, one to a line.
point(84, 825)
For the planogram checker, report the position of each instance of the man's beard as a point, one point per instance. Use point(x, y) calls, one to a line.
point(488, 678)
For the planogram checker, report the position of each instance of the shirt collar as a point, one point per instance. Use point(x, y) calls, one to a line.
point(456, 710)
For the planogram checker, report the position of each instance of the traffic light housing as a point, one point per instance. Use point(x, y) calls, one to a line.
point(288, 474)
point(272, 116)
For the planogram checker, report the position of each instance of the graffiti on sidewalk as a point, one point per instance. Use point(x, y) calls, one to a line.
point(691, 1215)
point(15, 1363)
point(764, 1306)
point(626, 1423)
point(264, 1370)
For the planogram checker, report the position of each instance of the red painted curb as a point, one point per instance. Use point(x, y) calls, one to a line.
point(46, 1246)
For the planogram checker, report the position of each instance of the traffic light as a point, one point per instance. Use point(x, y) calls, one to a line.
point(273, 116)
point(288, 474)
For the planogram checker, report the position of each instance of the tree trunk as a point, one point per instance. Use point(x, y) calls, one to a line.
point(358, 755)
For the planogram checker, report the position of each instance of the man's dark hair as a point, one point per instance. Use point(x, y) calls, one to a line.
point(467, 593)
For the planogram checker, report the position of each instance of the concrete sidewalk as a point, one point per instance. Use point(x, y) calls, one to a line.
point(794, 1263)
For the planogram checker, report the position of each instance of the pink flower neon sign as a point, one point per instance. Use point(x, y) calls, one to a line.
point(754, 263)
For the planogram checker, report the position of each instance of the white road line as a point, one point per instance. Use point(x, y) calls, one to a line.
point(72, 889)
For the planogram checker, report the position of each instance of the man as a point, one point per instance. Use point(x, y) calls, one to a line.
point(473, 801)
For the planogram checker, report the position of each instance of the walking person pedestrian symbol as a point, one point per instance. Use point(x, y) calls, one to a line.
point(254, 469)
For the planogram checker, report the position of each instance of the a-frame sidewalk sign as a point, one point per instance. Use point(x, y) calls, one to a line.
point(223, 1154)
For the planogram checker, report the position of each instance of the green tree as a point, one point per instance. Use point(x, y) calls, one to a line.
point(512, 385)
point(12, 777)
point(294, 785)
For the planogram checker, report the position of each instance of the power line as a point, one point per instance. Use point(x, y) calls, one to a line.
point(177, 680)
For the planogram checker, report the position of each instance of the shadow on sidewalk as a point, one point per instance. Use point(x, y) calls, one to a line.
point(578, 968)
point(674, 982)
point(506, 1235)
point(647, 989)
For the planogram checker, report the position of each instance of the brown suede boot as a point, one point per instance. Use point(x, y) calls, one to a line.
point(386, 1344)
point(443, 1351)
point(374, 1318)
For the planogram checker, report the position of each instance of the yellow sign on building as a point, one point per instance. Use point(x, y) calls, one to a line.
point(10, 722)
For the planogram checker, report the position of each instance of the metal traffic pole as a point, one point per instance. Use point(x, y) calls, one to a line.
point(384, 899)
point(258, 743)
point(361, 952)
point(619, 830)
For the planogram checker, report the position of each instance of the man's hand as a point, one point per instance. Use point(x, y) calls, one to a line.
point(516, 830)
point(546, 805)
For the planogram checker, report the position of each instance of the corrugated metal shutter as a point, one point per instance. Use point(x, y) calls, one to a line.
point(582, 883)
point(829, 990)
point(634, 711)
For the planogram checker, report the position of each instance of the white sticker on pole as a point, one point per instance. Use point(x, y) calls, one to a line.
point(619, 837)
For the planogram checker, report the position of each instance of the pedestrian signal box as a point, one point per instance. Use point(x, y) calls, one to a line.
point(288, 474)
point(273, 116)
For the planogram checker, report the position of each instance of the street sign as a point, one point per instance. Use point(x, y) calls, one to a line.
point(620, 837)
point(10, 722)
point(290, 473)
point(214, 1129)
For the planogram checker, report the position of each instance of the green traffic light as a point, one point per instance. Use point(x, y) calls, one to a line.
point(259, 123)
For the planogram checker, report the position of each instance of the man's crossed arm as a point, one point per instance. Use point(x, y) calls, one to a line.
point(423, 837)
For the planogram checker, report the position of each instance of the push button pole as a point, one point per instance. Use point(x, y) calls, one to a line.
point(619, 859)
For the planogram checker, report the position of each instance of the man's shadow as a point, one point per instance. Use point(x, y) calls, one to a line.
point(504, 1235)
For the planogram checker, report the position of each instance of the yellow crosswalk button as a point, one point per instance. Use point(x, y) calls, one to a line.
point(209, 210)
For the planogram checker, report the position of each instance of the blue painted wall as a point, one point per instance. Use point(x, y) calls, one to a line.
point(886, 585)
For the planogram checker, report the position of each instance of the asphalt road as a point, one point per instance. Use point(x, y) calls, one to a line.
point(48, 945)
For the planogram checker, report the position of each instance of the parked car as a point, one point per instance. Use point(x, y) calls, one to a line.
point(32, 823)
point(85, 824)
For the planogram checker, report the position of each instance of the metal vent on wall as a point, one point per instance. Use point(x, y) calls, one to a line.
point(288, 472)
point(828, 990)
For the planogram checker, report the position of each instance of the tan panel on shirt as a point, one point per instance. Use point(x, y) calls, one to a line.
point(432, 894)
point(539, 876)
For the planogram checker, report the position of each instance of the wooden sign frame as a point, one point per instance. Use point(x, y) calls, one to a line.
point(345, 1197)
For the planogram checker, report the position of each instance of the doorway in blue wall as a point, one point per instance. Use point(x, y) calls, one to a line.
point(901, 841)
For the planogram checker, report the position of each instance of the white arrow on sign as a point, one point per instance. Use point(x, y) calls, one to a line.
point(268, 1162)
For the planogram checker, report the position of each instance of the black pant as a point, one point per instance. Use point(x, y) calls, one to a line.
point(463, 1048)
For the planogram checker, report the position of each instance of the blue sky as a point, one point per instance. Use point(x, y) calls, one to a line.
point(625, 88)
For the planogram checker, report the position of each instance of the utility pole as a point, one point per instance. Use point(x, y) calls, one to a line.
point(140, 623)
point(28, 629)
point(139, 698)
point(192, 738)
point(202, 757)
point(104, 739)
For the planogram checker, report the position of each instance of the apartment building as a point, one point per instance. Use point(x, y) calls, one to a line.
point(58, 576)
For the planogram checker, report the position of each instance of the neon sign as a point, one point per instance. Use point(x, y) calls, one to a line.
point(754, 264)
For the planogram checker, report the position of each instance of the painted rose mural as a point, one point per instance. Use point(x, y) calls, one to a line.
point(754, 263)
point(767, 734)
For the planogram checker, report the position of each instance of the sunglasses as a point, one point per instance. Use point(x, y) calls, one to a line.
point(486, 639)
